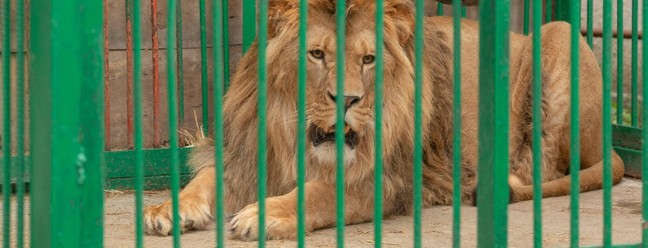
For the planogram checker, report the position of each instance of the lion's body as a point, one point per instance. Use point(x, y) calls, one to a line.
point(240, 122)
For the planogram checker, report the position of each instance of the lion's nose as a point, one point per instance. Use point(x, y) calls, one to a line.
point(349, 100)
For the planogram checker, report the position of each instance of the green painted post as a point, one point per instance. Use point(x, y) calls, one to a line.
point(548, 10)
point(563, 10)
point(439, 9)
point(457, 13)
point(378, 108)
point(249, 23)
point(620, 54)
point(138, 127)
point(261, 108)
point(20, 125)
point(635, 63)
point(644, 134)
point(180, 63)
point(574, 164)
point(301, 124)
point(418, 120)
point(607, 123)
point(218, 121)
point(537, 125)
point(340, 13)
point(6, 133)
point(173, 120)
point(590, 23)
point(67, 142)
point(493, 190)
point(204, 75)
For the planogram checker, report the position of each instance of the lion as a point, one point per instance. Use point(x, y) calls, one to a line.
point(197, 199)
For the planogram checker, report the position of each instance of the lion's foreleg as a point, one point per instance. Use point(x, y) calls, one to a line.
point(320, 211)
point(196, 203)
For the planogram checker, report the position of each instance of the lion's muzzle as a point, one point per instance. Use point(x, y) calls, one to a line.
point(319, 136)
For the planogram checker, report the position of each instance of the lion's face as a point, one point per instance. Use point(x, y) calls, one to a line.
point(359, 75)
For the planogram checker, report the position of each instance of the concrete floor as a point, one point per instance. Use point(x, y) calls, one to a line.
point(437, 222)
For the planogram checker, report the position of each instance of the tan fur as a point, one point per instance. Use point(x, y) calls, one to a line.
point(240, 123)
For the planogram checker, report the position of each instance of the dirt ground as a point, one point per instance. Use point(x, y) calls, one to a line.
point(437, 223)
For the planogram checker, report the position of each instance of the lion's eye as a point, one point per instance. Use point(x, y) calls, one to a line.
point(317, 53)
point(368, 59)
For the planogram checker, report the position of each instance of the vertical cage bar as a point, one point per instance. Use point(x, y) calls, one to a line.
point(226, 53)
point(644, 131)
point(180, 63)
point(261, 108)
point(463, 11)
point(590, 23)
point(574, 164)
point(439, 9)
point(301, 124)
point(607, 122)
point(619, 107)
point(537, 124)
point(493, 189)
point(156, 73)
point(90, 157)
point(218, 121)
point(129, 72)
point(173, 119)
point(339, 125)
point(66, 201)
point(139, 114)
point(6, 118)
point(456, 126)
point(378, 108)
point(106, 75)
point(204, 76)
point(249, 23)
point(635, 63)
point(20, 124)
point(563, 10)
point(418, 127)
point(525, 28)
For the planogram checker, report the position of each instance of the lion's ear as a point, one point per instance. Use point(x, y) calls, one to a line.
point(400, 19)
point(281, 13)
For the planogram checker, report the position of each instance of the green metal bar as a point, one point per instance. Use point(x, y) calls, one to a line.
point(6, 134)
point(456, 124)
point(590, 23)
point(439, 9)
point(340, 13)
point(574, 164)
point(261, 108)
point(635, 63)
point(301, 124)
point(492, 189)
point(204, 75)
point(67, 147)
point(90, 159)
point(418, 120)
point(563, 10)
point(173, 119)
point(620, 74)
point(548, 10)
point(644, 132)
point(607, 123)
point(378, 108)
point(180, 63)
point(226, 53)
point(218, 122)
point(463, 11)
point(138, 127)
point(537, 124)
point(525, 29)
point(249, 23)
point(20, 125)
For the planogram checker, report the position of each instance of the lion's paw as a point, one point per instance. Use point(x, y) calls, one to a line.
point(281, 222)
point(158, 220)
